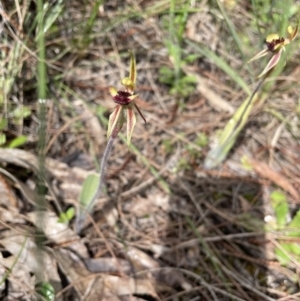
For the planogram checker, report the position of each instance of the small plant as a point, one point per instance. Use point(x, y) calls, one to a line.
point(181, 85)
point(65, 217)
point(276, 46)
point(291, 228)
point(124, 111)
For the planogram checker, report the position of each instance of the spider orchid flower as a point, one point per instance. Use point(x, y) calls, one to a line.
point(276, 46)
point(125, 105)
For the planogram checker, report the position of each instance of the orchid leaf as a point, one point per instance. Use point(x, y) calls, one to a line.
point(131, 121)
point(89, 191)
point(87, 198)
point(230, 133)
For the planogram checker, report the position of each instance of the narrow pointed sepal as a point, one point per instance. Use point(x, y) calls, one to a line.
point(259, 55)
point(272, 63)
point(131, 121)
point(129, 82)
point(132, 73)
point(115, 119)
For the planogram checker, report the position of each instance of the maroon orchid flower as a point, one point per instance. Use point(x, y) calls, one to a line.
point(276, 46)
point(125, 108)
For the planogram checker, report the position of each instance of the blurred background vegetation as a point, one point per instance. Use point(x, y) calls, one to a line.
point(164, 227)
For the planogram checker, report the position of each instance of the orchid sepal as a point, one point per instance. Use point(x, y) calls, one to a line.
point(272, 63)
point(116, 120)
point(259, 55)
point(131, 121)
point(112, 91)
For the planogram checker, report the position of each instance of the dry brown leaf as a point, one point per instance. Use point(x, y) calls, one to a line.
point(75, 271)
point(108, 265)
point(267, 172)
point(8, 198)
point(60, 233)
point(139, 259)
point(20, 285)
point(71, 179)
point(25, 251)
point(120, 286)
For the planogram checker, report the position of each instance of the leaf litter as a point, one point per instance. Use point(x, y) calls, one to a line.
point(202, 240)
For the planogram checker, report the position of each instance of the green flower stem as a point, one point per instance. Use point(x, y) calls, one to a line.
point(41, 146)
point(81, 217)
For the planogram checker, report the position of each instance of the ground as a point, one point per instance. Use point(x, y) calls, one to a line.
point(164, 226)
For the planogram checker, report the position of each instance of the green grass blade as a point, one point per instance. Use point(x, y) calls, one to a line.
point(219, 62)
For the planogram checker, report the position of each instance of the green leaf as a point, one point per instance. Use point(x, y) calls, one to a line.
point(280, 206)
point(295, 248)
point(2, 139)
point(191, 58)
point(189, 79)
point(89, 192)
point(70, 213)
point(3, 123)
point(283, 257)
point(230, 133)
point(53, 14)
point(21, 112)
point(222, 64)
point(65, 217)
point(295, 225)
point(46, 290)
point(62, 218)
point(201, 139)
point(87, 198)
point(18, 141)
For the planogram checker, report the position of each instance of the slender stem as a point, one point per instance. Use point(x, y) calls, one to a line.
point(80, 220)
point(42, 94)
point(104, 160)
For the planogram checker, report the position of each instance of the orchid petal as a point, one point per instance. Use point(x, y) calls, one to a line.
point(112, 91)
point(115, 118)
point(259, 55)
point(272, 63)
point(131, 121)
point(132, 97)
